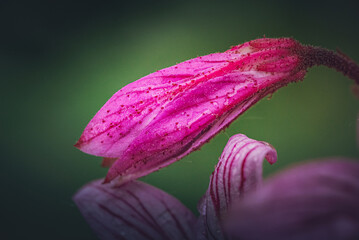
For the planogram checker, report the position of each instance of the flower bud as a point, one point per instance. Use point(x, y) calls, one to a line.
point(166, 115)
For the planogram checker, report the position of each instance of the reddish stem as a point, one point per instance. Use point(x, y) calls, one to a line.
point(337, 60)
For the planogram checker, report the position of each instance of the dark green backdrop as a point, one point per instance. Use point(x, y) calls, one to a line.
point(61, 60)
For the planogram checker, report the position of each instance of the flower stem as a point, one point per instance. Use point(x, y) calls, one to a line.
point(339, 61)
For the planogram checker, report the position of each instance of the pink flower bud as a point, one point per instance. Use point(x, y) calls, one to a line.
point(166, 115)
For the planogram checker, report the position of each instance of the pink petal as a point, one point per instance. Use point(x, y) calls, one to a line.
point(318, 200)
point(133, 211)
point(164, 116)
point(239, 169)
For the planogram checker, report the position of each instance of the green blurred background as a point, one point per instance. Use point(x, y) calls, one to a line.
point(61, 60)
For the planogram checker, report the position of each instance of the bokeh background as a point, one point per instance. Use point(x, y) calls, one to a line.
point(61, 60)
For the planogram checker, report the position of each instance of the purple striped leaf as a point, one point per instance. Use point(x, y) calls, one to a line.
point(134, 211)
point(239, 169)
point(318, 200)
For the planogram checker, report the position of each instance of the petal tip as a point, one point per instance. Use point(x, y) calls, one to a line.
point(106, 180)
point(77, 145)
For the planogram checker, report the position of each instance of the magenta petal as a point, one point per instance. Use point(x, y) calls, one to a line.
point(166, 115)
point(318, 200)
point(239, 169)
point(134, 211)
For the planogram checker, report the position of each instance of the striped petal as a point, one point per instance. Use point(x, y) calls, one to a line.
point(317, 200)
point(134, 211)
point(239, 169)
